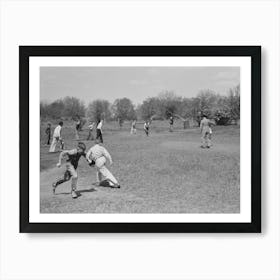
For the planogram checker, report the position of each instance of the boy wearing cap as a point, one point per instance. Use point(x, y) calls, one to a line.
point(71, 167)
point(98, 155)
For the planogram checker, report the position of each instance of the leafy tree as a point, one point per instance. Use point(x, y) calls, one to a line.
point(123, 109)
point(149, 108)
point(55, 109)
point(73, 107)
point(234, 102)
point(169, 104)
point(98, 109)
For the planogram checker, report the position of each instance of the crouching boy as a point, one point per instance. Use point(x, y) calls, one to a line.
point(99, 155)
point(72, 161)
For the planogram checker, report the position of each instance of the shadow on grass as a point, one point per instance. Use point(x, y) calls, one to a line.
point(78, 192)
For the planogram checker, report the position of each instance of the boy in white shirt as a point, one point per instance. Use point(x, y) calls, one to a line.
point(146, 127)
point(98, 155)
point(57, 138)
point(133, 127)
point(99, 130)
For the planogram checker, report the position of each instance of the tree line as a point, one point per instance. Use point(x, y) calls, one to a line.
point(221, 108)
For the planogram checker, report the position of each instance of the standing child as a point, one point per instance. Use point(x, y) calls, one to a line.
point(99, 155)
point(147, 127)
point(171, 121)
point(90, 131)
point(133, 127)
point(99, 130)
point(57, 138)
point(211, 124)
point(71, 167)
point(78, 127)
point(205, 132)
point(48, 133)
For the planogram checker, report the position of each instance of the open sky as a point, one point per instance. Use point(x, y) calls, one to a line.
point(135, 83)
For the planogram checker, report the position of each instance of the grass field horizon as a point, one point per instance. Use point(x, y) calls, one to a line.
point(163, 173)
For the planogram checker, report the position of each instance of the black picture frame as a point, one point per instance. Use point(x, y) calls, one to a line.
point(25, 52)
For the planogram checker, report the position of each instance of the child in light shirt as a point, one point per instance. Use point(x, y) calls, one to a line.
point(99, 155)
point(99, 130)
point(57, 138)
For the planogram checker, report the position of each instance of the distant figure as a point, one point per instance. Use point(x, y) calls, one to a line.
point(99, 130)
point(78, 128)
point(48, 133)
point(205, 132)
point(57, 138)
point(133, 127)
point(211, 124)
point(98, 156)
point(90, 131)
point(147, 127)
point(171, 121)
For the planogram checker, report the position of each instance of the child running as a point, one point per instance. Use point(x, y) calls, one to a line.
point(71, 167)
point(98, 155)
point(57, 138)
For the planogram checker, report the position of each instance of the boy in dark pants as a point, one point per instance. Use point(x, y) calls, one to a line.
point(147, 127)
point(171, 121)
point(71, 167)
point(48, 132)
point(99, 131)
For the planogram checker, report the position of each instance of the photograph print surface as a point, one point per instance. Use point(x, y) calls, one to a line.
point(140, 139)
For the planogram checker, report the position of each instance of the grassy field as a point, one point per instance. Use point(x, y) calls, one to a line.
point(163, 173)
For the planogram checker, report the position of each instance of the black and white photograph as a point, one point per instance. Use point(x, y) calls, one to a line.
point(141, 135)
point(140, 139)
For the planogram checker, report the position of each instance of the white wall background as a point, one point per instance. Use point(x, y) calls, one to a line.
point(139, 256)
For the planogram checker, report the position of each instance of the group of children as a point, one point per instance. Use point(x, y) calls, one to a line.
point(57, 139)
point(96, 156)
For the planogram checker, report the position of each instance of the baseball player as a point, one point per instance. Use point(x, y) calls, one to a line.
point(48, 133)
point(171, 121)
point(146, 127)
point(72, 161)
point(99, 130)
point(133, 127)
point(57, 138)
point(78, 127)
point(205, 132)
point(90, 132)
point(99, 156)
